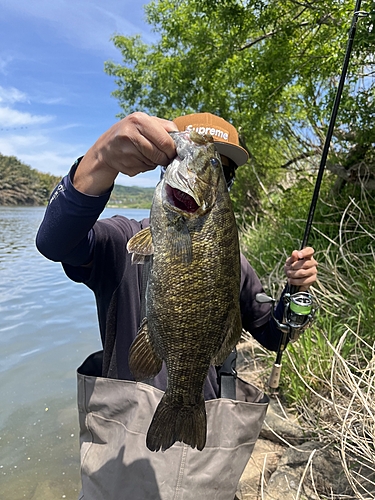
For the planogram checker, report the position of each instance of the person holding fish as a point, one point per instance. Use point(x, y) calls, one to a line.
point(173, 294)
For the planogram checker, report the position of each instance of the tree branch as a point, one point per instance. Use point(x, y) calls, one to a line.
point(352, 175)
point(323, 20)
point(259, 39)
point(302, 156)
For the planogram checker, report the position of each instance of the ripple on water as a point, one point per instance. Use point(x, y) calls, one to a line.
point(48, 325)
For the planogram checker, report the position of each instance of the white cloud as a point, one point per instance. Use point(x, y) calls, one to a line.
point(12, 118)
point(27, 128)
point(12, 144)
point(146, 179)
point(12, 95)
point(52, 100)
point(50, 161)
point(41, 152)
point(86, 23)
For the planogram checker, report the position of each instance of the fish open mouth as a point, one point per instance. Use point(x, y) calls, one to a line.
point(181, 200)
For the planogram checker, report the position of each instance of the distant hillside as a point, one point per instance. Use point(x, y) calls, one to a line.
point(131, 197)
point(23, 185)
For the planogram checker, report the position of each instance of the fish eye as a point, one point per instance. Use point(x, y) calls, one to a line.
point(214, 162)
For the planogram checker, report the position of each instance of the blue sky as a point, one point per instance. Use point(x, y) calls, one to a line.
point(55, 99)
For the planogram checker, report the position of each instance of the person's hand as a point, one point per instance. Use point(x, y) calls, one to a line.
point(135, 144)
point(301, 268)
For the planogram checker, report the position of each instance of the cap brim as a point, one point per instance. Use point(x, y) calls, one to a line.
point(235, 153)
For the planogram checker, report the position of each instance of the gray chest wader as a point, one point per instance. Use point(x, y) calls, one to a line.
point(114, 417)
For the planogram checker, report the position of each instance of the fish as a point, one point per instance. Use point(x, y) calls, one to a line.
point(192, 304)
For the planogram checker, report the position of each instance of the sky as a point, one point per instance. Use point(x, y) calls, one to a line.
point(55, 99)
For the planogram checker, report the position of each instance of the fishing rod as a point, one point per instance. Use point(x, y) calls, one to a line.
point(300, 307)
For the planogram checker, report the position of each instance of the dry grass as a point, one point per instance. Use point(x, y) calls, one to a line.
point(343, 408)
point(338, 378)
point(347, 413)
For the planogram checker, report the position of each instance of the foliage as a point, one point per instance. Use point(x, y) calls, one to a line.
point(22, 185)
point(270, 67)
point(344, 239)
point(131, 197)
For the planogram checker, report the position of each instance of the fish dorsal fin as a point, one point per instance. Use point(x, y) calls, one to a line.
point(140, 245)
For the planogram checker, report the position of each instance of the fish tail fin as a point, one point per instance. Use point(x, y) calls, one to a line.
point(173, 423)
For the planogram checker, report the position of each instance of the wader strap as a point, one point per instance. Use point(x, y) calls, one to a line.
point(227, 377)
point(109, 367)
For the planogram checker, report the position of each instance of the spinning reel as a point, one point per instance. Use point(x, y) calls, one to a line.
point(299, 311)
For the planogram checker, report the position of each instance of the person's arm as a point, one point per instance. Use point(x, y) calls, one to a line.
point(65, 233)
point(135, 144)
point(256, 317)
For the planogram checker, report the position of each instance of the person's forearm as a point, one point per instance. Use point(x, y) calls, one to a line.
point(136, 144)
point(64, 235)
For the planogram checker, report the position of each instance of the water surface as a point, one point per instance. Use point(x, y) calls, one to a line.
point(48, 326)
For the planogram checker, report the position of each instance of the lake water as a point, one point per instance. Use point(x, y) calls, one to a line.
point(48, 326)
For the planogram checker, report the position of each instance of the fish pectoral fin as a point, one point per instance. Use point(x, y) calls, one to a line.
point(180, 242)
point(232, 336)
point(144, 362)
point(140, 245)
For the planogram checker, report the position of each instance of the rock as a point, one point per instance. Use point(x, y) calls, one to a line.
point(261, 465)
point(322, 476)
point(282, 427)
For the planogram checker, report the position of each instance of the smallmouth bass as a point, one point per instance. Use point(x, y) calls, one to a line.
point(192, 313)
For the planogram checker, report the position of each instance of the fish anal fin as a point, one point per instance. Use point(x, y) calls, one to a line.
point(140, 245)
point(144, 362)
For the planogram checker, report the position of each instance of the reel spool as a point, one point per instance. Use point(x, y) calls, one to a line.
point(299, 312)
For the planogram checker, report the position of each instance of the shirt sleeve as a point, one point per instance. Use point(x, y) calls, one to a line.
point(65, 234)
point(256, 317)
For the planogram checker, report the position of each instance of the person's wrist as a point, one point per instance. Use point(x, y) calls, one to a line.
point(93, 175)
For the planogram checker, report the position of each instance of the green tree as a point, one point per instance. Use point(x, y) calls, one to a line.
point(23, 185)
point(271, 68)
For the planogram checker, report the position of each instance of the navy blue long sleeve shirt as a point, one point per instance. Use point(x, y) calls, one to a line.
point(71, 233)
